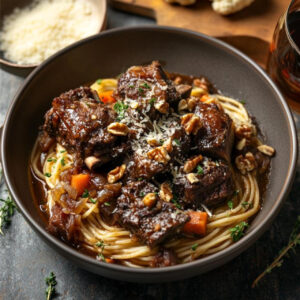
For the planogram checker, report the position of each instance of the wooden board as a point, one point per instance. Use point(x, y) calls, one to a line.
point(257, 20)
point(249, 30)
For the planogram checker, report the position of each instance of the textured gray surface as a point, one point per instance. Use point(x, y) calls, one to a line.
point(25, 260)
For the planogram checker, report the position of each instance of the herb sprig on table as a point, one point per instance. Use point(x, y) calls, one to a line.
point(7, 210)
point(51, 283)
point(294, 241)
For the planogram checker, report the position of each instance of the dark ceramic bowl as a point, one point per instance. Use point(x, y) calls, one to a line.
point(182, 51)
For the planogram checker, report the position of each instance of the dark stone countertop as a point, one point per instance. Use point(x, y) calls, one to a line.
point(25, 260)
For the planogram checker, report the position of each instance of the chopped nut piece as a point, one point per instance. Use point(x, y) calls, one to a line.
point(192, 103)
point(245, 163)
point(241, 144)
point(182, 105)
point(243, 131)
point(162, 106)
point(165, 192)
point(201, 84)
point(150, 199)
point(153, 142)
point(191, 123)
point(117, 129)
point(265, 149)
point(116, 174)
point(159, 154)
point(191, 164)
point(168, 145)
point(192, 178)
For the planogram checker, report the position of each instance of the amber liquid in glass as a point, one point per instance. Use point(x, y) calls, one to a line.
point(284, 58)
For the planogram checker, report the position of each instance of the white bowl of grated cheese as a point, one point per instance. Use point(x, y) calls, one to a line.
point(33, 30)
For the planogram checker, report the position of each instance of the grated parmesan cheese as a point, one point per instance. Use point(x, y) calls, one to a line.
point(31, 34)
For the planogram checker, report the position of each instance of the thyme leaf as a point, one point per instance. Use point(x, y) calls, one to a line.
point(7, 210)
point(51, 283)
point(237, 232)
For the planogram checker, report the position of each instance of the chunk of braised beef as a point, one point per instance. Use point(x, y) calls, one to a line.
point(211, 184)
point(79, 122)
point(164, 258)
point(141, 167)
point(184, 90)
point(146, 82)
point(216, 136)
point(151, 225)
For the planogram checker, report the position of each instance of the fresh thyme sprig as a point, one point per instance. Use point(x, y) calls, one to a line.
point(7, 210)
point(51, 283)
point(294, 240)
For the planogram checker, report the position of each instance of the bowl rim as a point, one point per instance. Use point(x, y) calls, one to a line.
point(15, 65)
point(229, 252)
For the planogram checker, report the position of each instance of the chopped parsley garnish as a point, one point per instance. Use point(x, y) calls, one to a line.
point(199, 170)
point(131, 86)
point(106, 203)
point(7, 210)
point(62, 151)
point(62, 161)
point(161, 141)
point(120, 109)
point(146, 85)
point(152, 100)
point(194, 247)
point(242, 102)
point(85, 194)
point(51, 283)
point(177, 142)
point(140, 179)
point(238, 231)
point(101, 245)
point(176, 203)
point(245, 204)
point(51, 159)
point(230, 204)
point(99, 81)
point(47, 174)
point(141, 91)
point(93, 200)
point(142, 194)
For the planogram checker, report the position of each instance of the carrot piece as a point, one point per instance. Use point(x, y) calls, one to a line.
point(107, 97)
point(204, 98)
point(197, 223)
point(109, 260)
point(79, 182)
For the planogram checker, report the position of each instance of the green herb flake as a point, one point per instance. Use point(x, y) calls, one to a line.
point(177, 142)
point(200, 170)
point(131, 86)
point(101, 245)
point(245, 204)
point(142, 194)
point(161, 141)
point(176, 203)
point(107, 204)
point(120, 109)
point(194, 247)
point(242, 102)
point(237, 232)
point(7, 210)
point(85, 194)
point(146, 86)
point(47, 174)
point(100, 256)
point(99, 81)
point(62, 151)
point(62, 162)
point(230, 204)
point(51, 159)
point(51, 283)
point(140, 179)
point(141, 91)
point(93, 200)
point(152, 100)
